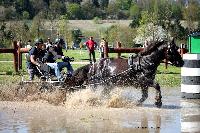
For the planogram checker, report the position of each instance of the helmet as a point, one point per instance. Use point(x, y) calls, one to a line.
point(59, 41)
point(38, 41)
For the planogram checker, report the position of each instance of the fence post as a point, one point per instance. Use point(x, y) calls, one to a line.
point(166, 60)
point(15, 56)
point(118, 46)
point(106, 50)
point(19, 56)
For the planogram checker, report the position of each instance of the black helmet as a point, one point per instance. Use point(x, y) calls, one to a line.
point(38, 41)
point(59, 41)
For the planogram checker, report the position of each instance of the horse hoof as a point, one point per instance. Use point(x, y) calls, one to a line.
point(138, 103)
point(158, 104)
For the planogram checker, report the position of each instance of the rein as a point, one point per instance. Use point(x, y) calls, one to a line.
point(100, 81)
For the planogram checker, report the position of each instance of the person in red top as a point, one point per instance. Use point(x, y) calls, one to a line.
point(91, 45)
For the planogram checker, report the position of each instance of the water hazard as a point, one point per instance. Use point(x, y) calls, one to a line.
point(89, 111)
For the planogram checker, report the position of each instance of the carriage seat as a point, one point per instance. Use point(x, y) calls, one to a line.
point(46, 71)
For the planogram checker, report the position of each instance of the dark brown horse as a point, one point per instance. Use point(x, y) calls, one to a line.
point(138, 71)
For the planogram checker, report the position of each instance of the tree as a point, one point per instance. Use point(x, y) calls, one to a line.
point(64, 29)
point(23, 5)
point(165, 14)
point(103, 3)
point(134, 15)
point(76, 33)
point(74, 11)
point(88, 10)
point(178, 31)
point(20, 30)
point(37, 26)
point(38, 6)
point(26, 15)
point(124, 4)
point(148, 29)
point(10, 13)
point(152, 33)
point(176, 11)
point(121, 34)
point(191, 14)
point(112, 10)
point(57, 8)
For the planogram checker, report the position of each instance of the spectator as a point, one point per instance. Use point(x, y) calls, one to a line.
point(19, 43)
point(91, 45)
point(101, 49)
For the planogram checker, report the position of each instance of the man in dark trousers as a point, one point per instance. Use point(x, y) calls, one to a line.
point(91, 45)
point(55, 52)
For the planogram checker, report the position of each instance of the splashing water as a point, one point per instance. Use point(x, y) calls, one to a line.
point(117, 97)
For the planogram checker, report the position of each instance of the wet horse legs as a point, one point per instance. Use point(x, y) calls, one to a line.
point(158, 97)
point(144, 95)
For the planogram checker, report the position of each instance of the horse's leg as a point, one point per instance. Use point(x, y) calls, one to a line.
point(144, 95)
point(158, 97)
point(107, 87)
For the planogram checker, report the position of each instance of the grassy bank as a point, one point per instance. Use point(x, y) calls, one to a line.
point(169, 77)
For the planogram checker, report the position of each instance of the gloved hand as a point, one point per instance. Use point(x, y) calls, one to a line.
point(38, 64)
point(72, 59)
point(67, 59)
point(44, 60)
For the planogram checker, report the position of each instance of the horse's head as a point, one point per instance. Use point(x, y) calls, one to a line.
point(173, 55)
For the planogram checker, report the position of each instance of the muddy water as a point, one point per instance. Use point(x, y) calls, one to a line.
point(89, 111)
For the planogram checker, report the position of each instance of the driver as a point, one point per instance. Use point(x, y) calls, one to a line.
point(55, 52)
point(36, 53)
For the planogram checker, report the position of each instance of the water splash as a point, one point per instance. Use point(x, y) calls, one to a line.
point(86, 98)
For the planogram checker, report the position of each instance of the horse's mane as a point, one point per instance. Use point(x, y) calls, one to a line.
point(151, 47)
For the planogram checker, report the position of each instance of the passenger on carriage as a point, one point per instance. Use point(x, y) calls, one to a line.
point(48, 43)
point(55, 52)
point(35, 53)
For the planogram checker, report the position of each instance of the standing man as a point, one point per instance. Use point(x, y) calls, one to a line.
point(35, 53)
point(101, 48)
point(91, 45)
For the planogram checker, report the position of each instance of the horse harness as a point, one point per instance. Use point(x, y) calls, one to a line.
point(97, 79)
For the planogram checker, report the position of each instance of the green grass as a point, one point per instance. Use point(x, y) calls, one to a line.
point(169, 77)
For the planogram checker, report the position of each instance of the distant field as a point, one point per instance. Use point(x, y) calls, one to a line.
point(89, 25)
point(84, 25)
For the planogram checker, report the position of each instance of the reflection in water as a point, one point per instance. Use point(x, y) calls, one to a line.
point(190, 115)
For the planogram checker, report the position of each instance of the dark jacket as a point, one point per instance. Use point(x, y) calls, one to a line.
point(39, 54)
point(49, 56)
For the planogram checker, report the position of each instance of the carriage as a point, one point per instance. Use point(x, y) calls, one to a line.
point(46, 74)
